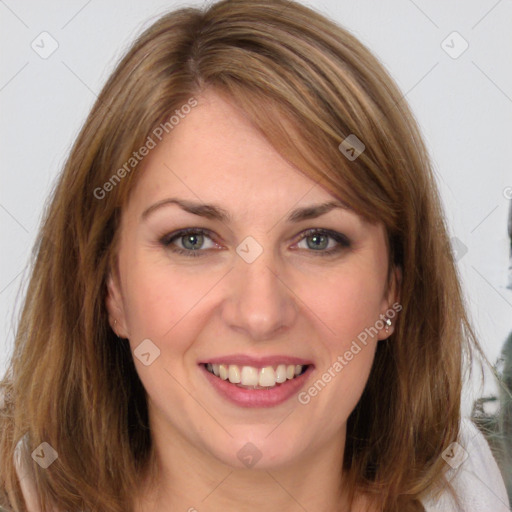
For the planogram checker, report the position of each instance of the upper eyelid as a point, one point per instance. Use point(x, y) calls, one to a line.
point(182, 232)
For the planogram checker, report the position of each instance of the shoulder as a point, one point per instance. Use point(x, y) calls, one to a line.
point(26, 476)
point(24, 469)
point(474, 475)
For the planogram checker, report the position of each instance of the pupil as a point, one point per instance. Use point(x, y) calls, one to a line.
point(317, 238)
point(192, 239)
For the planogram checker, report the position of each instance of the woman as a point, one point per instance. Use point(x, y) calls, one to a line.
point(243, 296)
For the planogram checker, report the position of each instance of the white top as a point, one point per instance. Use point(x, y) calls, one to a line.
point(474, 475)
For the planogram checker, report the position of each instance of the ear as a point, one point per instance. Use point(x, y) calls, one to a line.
point(115, 307)
point(391, 303)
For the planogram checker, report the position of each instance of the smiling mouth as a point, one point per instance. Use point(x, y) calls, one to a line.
point(250, 377)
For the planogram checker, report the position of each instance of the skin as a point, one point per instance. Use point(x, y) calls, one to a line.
point(290, 300)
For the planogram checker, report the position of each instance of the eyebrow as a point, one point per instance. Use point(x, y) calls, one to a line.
point(214, 212)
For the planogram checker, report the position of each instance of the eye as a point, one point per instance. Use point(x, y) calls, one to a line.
point(320, 241)
point(191, 240)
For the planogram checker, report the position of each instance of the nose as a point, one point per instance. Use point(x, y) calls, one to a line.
point(260, 303)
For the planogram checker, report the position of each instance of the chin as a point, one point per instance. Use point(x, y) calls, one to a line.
point(258, 450)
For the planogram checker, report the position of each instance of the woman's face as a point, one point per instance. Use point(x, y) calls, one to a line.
point(246, 287)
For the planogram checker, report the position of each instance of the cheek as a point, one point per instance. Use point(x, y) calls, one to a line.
point(346, 312)
point(349, 306)
point(160, 299)
point(346, 303)
point(165, 305)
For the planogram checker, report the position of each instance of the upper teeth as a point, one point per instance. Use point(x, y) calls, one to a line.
point(251, 376)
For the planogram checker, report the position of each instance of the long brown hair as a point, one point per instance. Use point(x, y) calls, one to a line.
point(307, 84)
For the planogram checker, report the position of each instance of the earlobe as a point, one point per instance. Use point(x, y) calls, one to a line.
point(115, 308)
point(387, 326)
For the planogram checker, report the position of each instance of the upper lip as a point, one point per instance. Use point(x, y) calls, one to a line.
point(257, 362)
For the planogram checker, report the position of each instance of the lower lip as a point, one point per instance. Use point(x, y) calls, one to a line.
point(257, 397)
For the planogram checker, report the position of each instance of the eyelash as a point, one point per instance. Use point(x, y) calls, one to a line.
point(342, 240)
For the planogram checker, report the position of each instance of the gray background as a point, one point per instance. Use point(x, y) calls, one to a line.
point(463, 104)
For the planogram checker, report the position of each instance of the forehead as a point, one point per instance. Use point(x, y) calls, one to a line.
point(216, 155)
